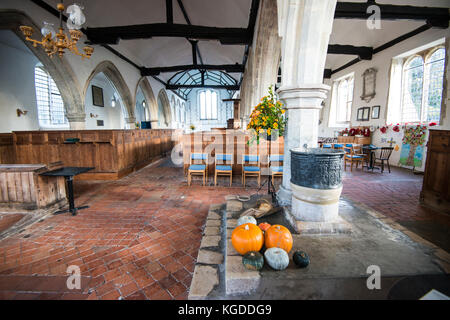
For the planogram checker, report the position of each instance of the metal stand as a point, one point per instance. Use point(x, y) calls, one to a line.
point(72, 209)
point(270, 187)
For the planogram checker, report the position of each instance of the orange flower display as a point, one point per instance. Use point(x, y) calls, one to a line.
point(268, 116)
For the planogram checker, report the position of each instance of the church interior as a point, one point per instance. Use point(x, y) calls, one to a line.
point(237, 150)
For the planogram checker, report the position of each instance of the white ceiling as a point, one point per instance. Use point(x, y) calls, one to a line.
point(164, 51)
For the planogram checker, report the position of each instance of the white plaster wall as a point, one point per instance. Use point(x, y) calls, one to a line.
point(17, 89)
point(112, 116)
point(382, 62)
point(224, 112)
point(81, 68)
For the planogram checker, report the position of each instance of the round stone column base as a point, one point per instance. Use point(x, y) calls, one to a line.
point(284, 196)
point(317, 205)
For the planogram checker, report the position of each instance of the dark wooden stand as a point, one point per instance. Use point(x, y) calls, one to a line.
point(68, 173)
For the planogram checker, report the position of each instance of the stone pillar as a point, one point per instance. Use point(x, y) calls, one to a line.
point(154, 123)
point(130, 123)
point(305, 28)
point(77, 121)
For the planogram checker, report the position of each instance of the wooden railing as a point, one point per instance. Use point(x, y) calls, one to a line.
point(227, 141)
point(113, 153)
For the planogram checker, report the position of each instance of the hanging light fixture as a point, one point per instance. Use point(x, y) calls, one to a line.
point(57, 42)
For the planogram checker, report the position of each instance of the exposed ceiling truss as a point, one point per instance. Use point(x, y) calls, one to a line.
point(432, 16)
point(105, 36)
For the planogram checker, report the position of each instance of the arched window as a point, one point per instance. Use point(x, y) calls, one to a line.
point(412, 90)
point(422, 87)
point(49, 102)
point(341, 101)
point(434, 70)
point(208, 105)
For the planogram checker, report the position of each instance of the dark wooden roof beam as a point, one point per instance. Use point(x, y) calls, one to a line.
point(364, 53)
point(193, 86)
point(437, 17)
point(112, 35)
point(225, 67)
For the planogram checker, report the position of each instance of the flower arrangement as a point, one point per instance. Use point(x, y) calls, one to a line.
point(415, 135)
point(268, 116)
point(344, 132)
point(192, 127)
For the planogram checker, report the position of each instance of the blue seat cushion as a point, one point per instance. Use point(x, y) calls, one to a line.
point(276, 169)
point(354, 157)
point(277, 158)
point(198, 156)
point(248, 158)
point(197, 167)
point(223, 157)
point(224, 168)
point(252, 169)
point(326, 146)
point(338, 145)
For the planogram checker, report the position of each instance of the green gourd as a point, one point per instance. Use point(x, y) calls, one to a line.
point(276, 258)
point(301, 259)
point(253, 260)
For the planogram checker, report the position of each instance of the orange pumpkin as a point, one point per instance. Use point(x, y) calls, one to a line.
point(279, 237)
point(247, 237)
point(264, 226)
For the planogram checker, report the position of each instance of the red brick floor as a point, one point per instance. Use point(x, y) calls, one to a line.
point(138, 240)
point(396, 195)
point(140, 236)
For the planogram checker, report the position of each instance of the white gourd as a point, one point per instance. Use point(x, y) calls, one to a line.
point(246, 219)
point(276, 258)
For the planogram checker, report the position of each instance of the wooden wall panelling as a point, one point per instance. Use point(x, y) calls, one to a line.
point(436, 184)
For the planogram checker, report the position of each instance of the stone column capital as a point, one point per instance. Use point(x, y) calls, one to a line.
point(130, 120)
point(305, 96)
point(76, 117)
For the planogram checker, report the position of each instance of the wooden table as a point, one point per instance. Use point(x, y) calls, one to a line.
point(68, 173)
point(371, 150)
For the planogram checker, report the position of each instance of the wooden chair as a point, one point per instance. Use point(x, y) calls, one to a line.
point(251, 169)
point(385, 154)
point(198, 169)
point(277, 169)
point(223, 166)
point(338, 146)
point(352, 157)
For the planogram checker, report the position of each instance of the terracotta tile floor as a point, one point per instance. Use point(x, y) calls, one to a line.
point(138, 240)
point(140, 236)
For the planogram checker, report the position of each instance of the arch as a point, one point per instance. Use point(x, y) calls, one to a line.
point(58, 68)
point(113, 74)
point(152, 105)
point(165, 105)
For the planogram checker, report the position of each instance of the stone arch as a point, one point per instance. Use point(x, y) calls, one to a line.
point(164, 99)
point(58, 68)
point(151, 104)
point(113, 74)
point(173, 108)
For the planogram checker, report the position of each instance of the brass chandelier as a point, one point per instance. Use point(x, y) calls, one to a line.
point(57, 42)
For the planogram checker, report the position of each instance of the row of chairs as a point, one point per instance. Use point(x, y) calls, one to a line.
point(223, 166)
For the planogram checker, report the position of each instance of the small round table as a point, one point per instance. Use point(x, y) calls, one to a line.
point(371, 151)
